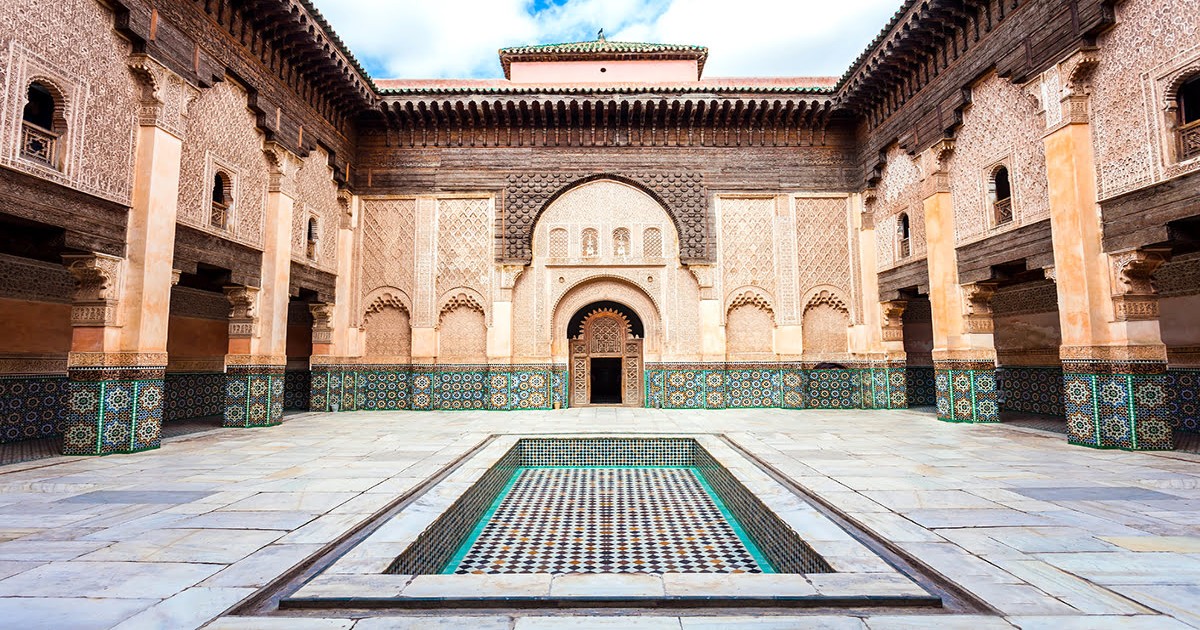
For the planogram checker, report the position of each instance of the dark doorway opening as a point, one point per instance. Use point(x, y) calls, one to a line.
point(606, 380)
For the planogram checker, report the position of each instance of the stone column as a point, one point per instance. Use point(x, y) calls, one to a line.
point(119, 343)
point(884, 381)
point(337, 344)
point(964, 356)
point(712, 332)
point(257, 359)
point(1114, 361)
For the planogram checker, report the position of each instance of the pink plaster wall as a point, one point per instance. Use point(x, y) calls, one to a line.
point(1178, 321)
point(195, 338)
point(35, 327)
point(633, 71)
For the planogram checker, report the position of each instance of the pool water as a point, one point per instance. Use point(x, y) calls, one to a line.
point(608, 519)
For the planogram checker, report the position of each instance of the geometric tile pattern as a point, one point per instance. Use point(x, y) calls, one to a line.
point(253, 395)
point(443, 387)
point(32, 406)
point(296, 390)
point(1126, 411)
point(114, 411)
point(542, 452)
point(607, 520)
point(787, 385)
point(920, 383)
point(193, 395)
point(966, 395)
point(1184, 401)
point(1031, 389)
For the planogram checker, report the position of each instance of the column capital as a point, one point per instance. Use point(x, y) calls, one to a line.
point(282, 166)
point(706, 277)
point(977, 306)
point(165, 96)
point(322, 314)
point(1135, 296)
point(243, 311)
point(893, 319)
point(97, 288)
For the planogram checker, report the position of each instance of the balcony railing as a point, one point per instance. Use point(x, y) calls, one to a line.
point(904, 248)
point(39, 145)
point(1003, 210)
point(219, 216)
point(1189, 140)
point(311, 250)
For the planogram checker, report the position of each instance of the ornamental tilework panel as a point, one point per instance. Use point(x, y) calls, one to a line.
point(32, 406)
point(193, 395)
point(793, 389)
point(254, 396)
point(461, 388)
point(458, 387)
point(1183, 387)
point(966, 395)
point(920, 386)
point(834, 389)
point(1031, 389)
point(117, 415)
point(384, 389)
point(751, 387)
point(296, 390)
point(1127, 411)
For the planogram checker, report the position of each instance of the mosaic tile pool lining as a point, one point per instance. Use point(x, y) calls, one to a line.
point(607, 520)
point(435, 547)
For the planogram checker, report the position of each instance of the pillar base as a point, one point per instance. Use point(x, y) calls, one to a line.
point(966, 391)
point(1118, 404)
point(253, 395)
point(114, 410)
point(884, 386)
point(333, 388)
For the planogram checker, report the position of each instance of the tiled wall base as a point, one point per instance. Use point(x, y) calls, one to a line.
point(32, 406)
point(114, 410)
point(1184, 401)
point(442, 387)
point(787, 385)
point(1031, 389)
point(966, 392)
point(920, 384)
point(297, 388)
point(253, 395)
point(1118, 410)
point(193, 395)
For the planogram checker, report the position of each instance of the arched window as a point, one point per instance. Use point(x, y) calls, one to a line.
point(621, 242)
point(1188, 99)
point(590, 243)
point(652, 245)
point(42, 126)
point(313, 234)
point(1001, 192)
point(222, 199)
point(902, 236)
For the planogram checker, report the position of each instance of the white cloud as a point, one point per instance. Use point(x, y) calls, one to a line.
point(459, 39)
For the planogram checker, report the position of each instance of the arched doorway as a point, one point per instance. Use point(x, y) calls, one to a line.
point(606, 355)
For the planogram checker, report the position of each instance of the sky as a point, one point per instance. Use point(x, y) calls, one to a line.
point(435, 39)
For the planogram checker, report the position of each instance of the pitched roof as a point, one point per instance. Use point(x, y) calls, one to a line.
point(601, 49)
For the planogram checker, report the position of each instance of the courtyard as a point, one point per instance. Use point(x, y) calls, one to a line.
point(205, 531)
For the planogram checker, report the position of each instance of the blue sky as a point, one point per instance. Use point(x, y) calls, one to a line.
point(459, 38)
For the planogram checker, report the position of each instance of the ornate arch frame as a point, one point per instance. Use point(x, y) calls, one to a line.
point(619, 290)
point(462, 296)
point(591, 345)
point(749, 294)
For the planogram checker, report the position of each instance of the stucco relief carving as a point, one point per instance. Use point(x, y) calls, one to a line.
point(387, 255)
point(464, 245)
point(282, 166)
point(605, 288)
point(234, 146)
point(749, 326)
point(165, 96)
point(318, 196)
point(97, 288)
point(387, 326)
point(898, 190)
point(747, 242)
point(243, 311)
point(892, 320)
point(322, 326)
point(462, 334)
point(824, 327)
point(1135, 294)
point(977, 306)
point(823, 244)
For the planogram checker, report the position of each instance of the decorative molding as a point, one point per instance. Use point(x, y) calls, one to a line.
point(33, 364)
point(892, 322)
point(97, 288)
point(825, 296)
point(977, 305)
point(116, 359)
point(322, 315)
point(1155, 353)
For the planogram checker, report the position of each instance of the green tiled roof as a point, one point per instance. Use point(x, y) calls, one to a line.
point(602, 46)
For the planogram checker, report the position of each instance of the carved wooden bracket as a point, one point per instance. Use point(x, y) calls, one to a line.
point(165, 96)
point(322, 314)
point(97, 288)
point(346, 216)
point(977, 306)
point(1135, 296)
point(893, 319)
point(243, 311)
point(282, 166)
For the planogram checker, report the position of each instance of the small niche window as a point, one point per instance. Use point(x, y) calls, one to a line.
point(313, 238)
point(903, 244)
point(42, 126)
point(1189, 118)
point(222, 199)
point(1000, 188)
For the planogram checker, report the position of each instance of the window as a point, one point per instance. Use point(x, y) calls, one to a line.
point(1189, 118)
point(222, 199)
point(902, 236)
point(1001, 193)
point(42, 126)
point(313, 238)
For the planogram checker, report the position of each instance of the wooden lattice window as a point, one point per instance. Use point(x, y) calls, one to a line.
point(1188, 100)
point(903, 243)
point(1000, 191)
point(312, 243)
point(43, 125)
point(222, 200)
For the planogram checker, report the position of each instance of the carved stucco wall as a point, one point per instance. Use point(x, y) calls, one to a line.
point(1001, 125)
point(899, 190)
point(462, 336)
point(388, 335)
point(1027, 330)
point(1151, 43)
point(40, 39)
point(747, 243)
point(316, 198)
point(823, 246)
point(386, 248)
point(748, 332)
point(221, 134)
point(464, 248)
point(550, 286)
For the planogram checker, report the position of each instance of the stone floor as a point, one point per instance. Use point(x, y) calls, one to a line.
point(1049, 535)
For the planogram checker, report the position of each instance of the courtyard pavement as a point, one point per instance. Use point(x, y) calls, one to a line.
point(1050, 535)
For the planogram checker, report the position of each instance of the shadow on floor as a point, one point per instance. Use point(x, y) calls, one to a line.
point(30, 450)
